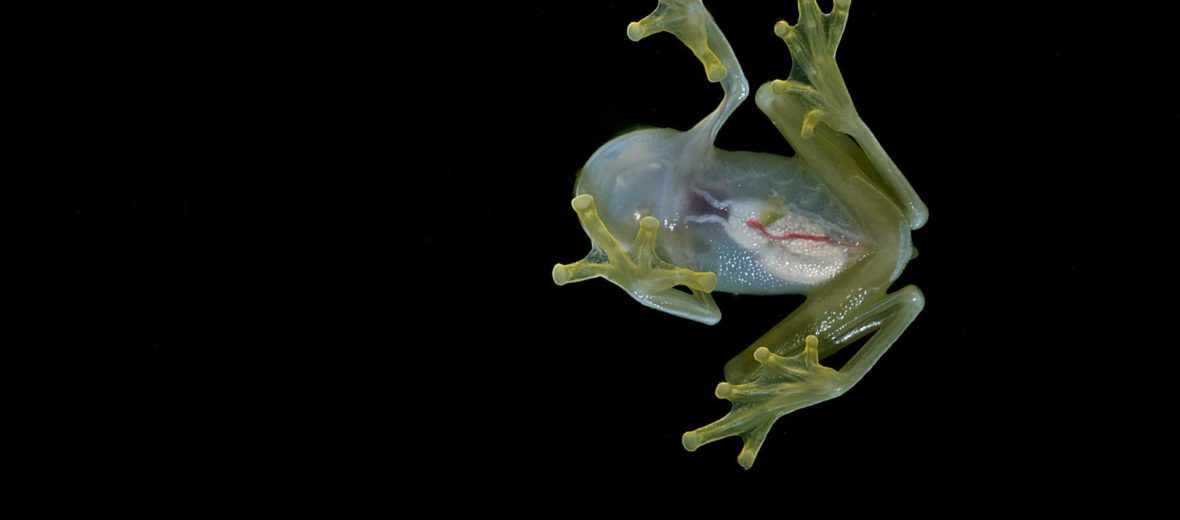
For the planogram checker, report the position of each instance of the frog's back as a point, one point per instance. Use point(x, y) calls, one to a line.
point(761, 222)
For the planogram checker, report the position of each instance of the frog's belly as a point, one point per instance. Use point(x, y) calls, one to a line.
point(754, 250)
point(761, 222)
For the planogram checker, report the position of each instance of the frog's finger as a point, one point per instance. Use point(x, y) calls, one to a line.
point(734, 423)
point(751, 427)
point(752, 444)
point(596, 229)
point(809, 11)
point(644, 249)
point(690, 22)
point(744, 391)
point(578, 271)
point(837, 21)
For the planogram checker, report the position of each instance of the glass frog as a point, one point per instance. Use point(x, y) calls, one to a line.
point(665, 208)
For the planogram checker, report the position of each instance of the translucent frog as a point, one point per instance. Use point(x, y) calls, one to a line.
point(671, 219)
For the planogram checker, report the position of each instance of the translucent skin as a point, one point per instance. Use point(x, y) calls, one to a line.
point(703, 199)
point(832, 223)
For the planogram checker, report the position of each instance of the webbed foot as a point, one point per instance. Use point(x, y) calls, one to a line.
point(815, 92)
point(815, 79)
point(690, 22)
point(639, 271)
point(781, 386)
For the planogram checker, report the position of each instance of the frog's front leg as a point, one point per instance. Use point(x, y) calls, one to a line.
point(639, 271)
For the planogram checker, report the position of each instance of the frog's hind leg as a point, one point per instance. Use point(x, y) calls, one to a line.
point(815, 92)
point(782, 384)
point(639, 271)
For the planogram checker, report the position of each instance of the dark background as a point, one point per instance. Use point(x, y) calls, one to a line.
point(311, 248)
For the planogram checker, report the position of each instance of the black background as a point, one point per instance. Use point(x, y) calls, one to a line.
point(310, 249)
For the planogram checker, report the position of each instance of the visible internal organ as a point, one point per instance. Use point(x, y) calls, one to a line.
point(789, 244)
point(757, 224)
